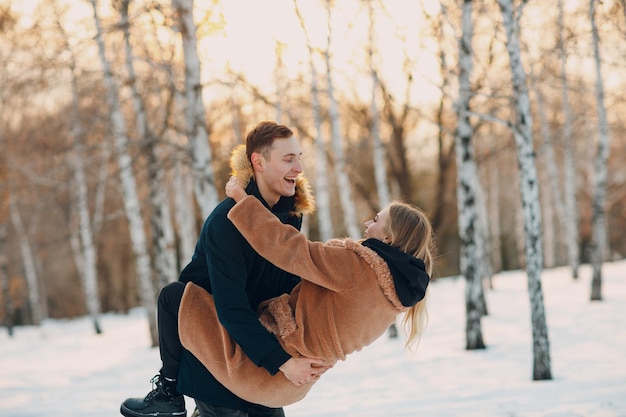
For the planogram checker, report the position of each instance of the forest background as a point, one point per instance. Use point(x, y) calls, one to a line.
point(117, 119)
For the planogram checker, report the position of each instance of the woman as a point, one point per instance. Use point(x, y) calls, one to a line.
point(349, 295)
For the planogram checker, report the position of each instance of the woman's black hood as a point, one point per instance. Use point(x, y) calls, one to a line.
point(408, 272)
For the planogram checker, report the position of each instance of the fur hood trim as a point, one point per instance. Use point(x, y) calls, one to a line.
point(241, 168)
point(378, 265)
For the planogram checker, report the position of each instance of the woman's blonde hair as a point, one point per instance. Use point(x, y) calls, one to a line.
point(409, 229)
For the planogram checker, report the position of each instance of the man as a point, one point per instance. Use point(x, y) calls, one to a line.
point(239, 279)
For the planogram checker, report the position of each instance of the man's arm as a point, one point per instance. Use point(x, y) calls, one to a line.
point(226, 262)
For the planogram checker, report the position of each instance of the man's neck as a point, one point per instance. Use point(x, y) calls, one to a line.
point(264, 191)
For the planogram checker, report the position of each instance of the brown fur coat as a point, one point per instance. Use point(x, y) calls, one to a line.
point(347, 299)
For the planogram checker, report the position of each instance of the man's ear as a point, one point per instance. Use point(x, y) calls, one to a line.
point(257, 161)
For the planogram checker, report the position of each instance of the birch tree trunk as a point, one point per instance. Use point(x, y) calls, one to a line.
point(549, 233)
point(552, 201)
point(129, 187)
point(399, 167)
point(494, 215)
point(467, 180)
point(87, 263)
point(485, 269)
point(379, 159)
point(522, 132)
point(598, 246)
point(183, 215)
point(4, 278)
point(341, 173)
point(279, 80)
point(197, 133)
point(571, 212)
point(322, 187)
point(160, 217)
point(444, 156)
point(4, 272)
point(83, 243)
point(183, 191)
point(38, 311)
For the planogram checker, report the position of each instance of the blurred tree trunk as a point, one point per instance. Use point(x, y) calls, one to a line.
point(182, 188)
point(197, 132)
point(523, 134)
point(379, 158)
point(398, 123)
point(445, 153)
point(279, 80)
point(340, 165)
point(467, 194)
point(36, 302)
point(570, 216)
point(160, 218)
point(129, 187)
point(599, 238)
point(322, 186)
point(183, 214)
point(378, 154)
point(82, 239)
point(4, 226)
point(493, 200)
point(552, 207)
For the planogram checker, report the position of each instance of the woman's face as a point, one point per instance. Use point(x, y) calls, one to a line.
point(376, 227)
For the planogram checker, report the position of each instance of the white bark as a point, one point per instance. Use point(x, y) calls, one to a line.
point(160, 218)
point(467, 181)
point(184, 215)
point(197, 133)
point(322, 188)
point(100, 193)
point(37, 308)
point(484, 243)
point(89, 271)
point(552, 201)
point(523, 134)
point(494, 215)
point(549, 232)
point(341, 173)
point(279, 80)
point(129, 187)
point(4, 273)
point(83, 243)
point(570, 216)
point(380, 165)
point(600, 167)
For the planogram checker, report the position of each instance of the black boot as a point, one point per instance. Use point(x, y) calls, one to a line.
point(162, 401)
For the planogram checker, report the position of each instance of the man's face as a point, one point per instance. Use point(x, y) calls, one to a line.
point(276, 176)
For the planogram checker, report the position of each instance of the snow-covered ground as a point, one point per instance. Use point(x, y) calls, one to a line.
point(64, 370)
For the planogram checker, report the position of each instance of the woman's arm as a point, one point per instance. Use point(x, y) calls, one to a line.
point(289, 249)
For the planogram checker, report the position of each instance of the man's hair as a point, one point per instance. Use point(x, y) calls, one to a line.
point(261, 138)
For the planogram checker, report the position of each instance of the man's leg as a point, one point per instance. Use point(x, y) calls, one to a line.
point(164, 399)
point(262, 411)
point(170, 347)
point(208, 410)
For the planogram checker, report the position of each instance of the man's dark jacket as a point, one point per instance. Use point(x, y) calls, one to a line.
point(226, 266)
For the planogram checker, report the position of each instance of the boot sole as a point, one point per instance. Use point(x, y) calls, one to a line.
point(130, 413)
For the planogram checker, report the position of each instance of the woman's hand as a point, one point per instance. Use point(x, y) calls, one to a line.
point(235, 189)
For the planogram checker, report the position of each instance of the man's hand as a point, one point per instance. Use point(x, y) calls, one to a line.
point(235, 189)
point(300, 371)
